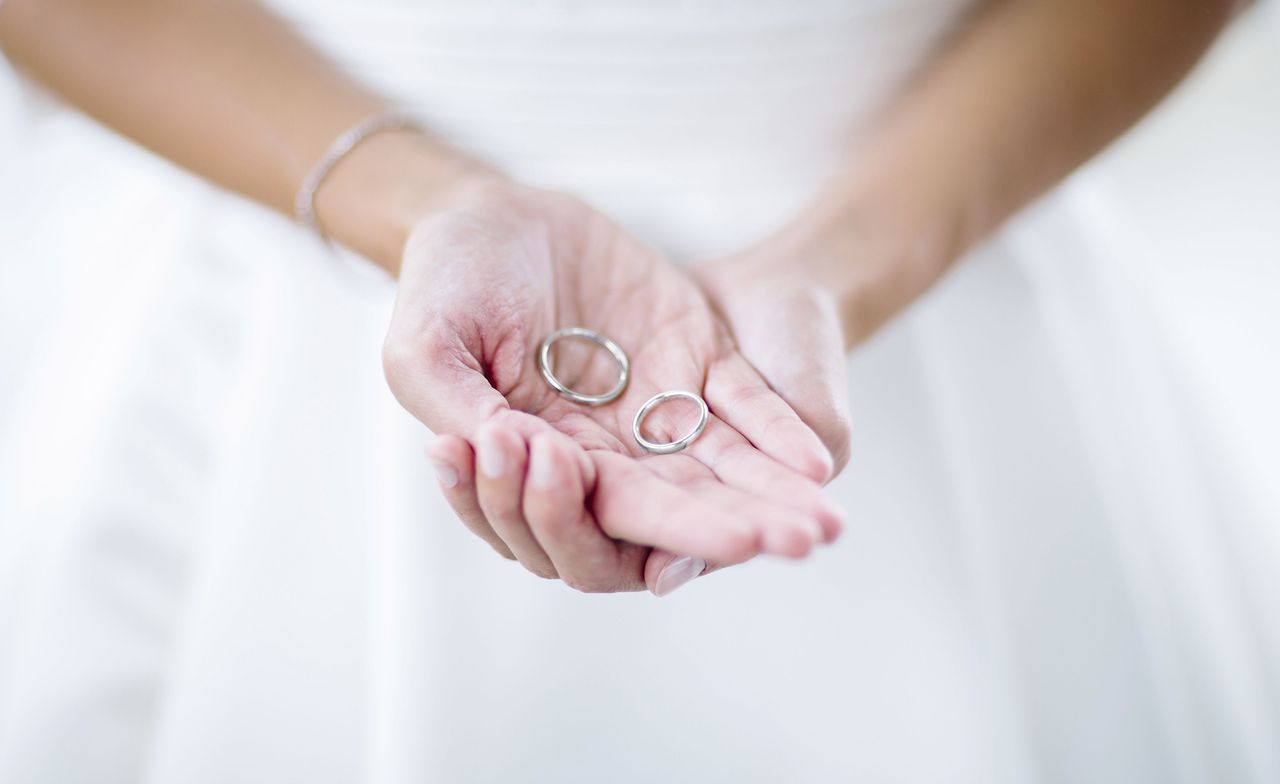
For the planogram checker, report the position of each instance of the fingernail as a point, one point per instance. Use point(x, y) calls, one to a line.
point(677, 573)
point(542, 469)
point(445, 473)
point(493, 461)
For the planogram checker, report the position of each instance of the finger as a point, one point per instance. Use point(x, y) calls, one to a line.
point(554, 506)
point(633, 503)
point(501, 457)
point(531, 425)
point(739, 464)
point(781, 530)
point(790, 516)
point(676, 503)
point(437, 377)
point(737, 394)
point(664, 572)
point(453, 461)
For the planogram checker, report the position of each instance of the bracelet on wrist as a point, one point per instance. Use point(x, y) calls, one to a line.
point(348, 140)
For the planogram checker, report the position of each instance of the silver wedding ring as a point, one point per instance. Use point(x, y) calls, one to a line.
point(544, 365)
point(624, 374)
point(680, 443)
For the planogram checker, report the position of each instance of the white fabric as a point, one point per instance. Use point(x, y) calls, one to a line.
point(223, 559)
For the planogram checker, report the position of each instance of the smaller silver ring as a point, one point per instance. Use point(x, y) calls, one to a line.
point(679, 443)
point(544, 365)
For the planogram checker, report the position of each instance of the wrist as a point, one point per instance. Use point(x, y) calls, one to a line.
point(870, 255)
point(386, 185)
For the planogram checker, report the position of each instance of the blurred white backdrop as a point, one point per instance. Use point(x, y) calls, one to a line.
point(1199, 186)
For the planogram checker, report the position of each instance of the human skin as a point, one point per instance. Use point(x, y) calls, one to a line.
point(484, 280)
point(486, 268)
point(1021, 96)
point(1025, 92)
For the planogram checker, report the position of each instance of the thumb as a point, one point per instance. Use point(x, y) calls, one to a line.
point(440, 381)
point(791, 336)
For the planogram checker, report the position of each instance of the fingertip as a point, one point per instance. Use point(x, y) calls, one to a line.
point(792, 541)
point(817, 465)
point(832, 518)
point(545, 469)
point(737, 544)
point(489, 432)
point(445, 448)
point(794, 536)
point(500, 450)
point(447, 474)
point(802, 451)
point(450, 459)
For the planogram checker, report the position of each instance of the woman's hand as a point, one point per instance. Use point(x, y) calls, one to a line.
point(787, 323)
point(561, 486)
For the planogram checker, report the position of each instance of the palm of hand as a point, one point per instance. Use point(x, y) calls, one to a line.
point(503, 271)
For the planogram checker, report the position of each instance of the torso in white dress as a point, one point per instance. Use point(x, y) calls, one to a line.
point(225, 560)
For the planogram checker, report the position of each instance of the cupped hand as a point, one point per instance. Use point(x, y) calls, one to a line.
point(785, 321)
point(560, 486)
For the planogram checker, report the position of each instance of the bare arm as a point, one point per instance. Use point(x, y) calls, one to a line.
point(229, 92)
point(1025, 92)
point(1028, 91)
point(487, 269)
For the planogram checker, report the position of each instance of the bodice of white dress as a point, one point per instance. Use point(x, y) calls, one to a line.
point(699, 124)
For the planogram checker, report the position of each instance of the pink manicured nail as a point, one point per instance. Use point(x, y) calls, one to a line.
point(677, 573)
point(445, 473)
point(542, 469)
point(490, 455)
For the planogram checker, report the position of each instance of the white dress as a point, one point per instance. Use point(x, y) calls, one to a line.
point(223, 558)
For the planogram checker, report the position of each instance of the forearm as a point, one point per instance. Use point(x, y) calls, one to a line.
point(227, 91)
point(1028, 91)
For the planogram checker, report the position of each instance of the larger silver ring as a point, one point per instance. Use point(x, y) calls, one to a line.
point(680, 443)
point(544, 365)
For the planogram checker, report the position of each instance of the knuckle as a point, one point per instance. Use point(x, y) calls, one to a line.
point(529, 425)
point(839, 441)
point(401, 361)
point(409, 355)
point(749, 394)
